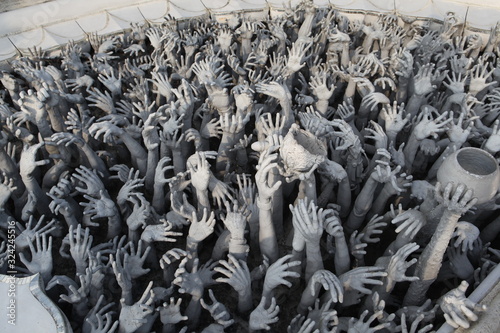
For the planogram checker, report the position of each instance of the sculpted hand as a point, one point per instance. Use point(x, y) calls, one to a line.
point(217, 310)
point(423, 80)
point(90, 179)
point(383, 174)
point(430, 127)
point(411, 221)
point(41, 256)
point(180, 203)
point(329, 282)
point(360, 326)
point(212, 129)
point(264, 168)
point(357, 246)
point(161, 81)
point(478, 76)
point(200, 171)
point(27, 234)
point(133, 317)
point(134, 261)
point(134, 49)
point(99, 207)
point(261, 318)
point(372, 100)
point(80, 243)
point(28, 162)
point(458, 310)
point(414, 325)
point(296, 57)
point(170, 313)
point(79, 295)
point(349, 139)
point(80, 82)
point(459, 263)
point(346, 110)
point(268, 127)
point(140, 213)
point(421, 314)
point(32, 104)
point(236, 273)
point(107, 130)
point(111, 82)
point(319, 86)
point(274, 89)
point(306, 220)
point(377, 134)
point(189, 283)
point(103, 101)
point(466, 234)
point(394, 121)
point(102, 324)
point(160, 170)
point(171, 256)
point(235, 220)
point(457, 201)
point(299, 324)
point(278, 272)
point(332, 223)
point(159, 233)
point(372, 228)
point(99, 320)
point(358, 278)
point(132, 182)
point(398, 265)
point(66, 139)
point(121, 272)
point(493, 143)
point(201, 229)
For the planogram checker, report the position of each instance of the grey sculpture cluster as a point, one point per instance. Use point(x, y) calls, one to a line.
point(295, 160)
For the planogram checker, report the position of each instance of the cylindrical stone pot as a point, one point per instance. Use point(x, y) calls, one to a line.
point(475, 168)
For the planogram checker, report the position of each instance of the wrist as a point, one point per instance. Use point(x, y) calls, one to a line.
point(238, 238)
point(264, 204)
point(197, 295)
point(27, 177)
point(312, 246)
point(322, 103)
point(387, 191)
point(245, 292)
point(391, 135)
point(403, 81)
point(238, 249)
point(201, 192)
point(339, 237)
point(267, 291)
point(192, 243)
point(225, 109)
point(389, 284)
point(158, 185)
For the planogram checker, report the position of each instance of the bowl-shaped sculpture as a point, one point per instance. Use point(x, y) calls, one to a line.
point(475, 168)
point(301, 151)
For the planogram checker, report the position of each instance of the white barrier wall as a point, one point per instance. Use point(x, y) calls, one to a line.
point(54, 23)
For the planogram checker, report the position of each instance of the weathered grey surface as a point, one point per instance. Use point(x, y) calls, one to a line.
point(6, 5)
point(34, 310)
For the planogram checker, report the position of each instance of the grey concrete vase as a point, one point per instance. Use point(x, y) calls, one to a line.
point(473, 167)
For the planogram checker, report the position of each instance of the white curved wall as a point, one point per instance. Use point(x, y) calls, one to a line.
point(53, 23)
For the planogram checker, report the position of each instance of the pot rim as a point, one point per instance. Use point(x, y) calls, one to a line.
point(483, 153)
